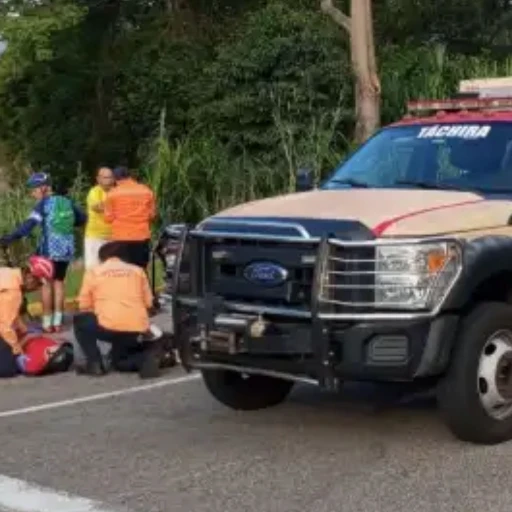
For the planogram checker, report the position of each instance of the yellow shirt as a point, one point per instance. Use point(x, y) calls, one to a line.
point(96, 225)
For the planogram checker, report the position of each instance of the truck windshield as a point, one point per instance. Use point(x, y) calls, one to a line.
point(465, 156)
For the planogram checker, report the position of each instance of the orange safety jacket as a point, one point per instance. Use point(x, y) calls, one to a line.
point(11, 299)
point(118, 294)
point(130, 207)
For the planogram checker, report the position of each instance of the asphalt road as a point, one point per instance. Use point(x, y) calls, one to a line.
point(170, 447)
point(174, 448)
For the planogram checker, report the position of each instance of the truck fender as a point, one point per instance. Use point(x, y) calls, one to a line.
point(483, 258)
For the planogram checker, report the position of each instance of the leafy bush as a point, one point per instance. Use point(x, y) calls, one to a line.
point(298, 68)
point(215, 103)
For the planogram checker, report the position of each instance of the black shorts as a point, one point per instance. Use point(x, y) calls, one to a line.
point(136, 253)
point(60, 270)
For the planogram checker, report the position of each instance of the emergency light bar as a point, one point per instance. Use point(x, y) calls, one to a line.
point(483, 104)
point(484, 94)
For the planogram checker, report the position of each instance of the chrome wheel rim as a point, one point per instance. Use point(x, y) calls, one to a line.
point(494, 381)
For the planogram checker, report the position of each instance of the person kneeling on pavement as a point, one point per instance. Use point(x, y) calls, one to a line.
point(18, 352)
point(114, 301)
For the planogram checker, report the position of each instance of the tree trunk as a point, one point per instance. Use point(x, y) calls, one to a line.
point(362, 48)
point(367, 86)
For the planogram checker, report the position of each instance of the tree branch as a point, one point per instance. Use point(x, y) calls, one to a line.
point(338, 16)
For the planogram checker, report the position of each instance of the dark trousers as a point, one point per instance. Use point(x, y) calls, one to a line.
point(8, 366)
point(136, 253)
point(127, 351)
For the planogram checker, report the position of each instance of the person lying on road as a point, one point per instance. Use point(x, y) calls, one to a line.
point(13, 331)
point(114, 301)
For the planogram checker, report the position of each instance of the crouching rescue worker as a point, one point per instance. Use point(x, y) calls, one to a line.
point(13, 283)
point(114, 301)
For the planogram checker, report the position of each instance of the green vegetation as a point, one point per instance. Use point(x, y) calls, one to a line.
point(215, 103)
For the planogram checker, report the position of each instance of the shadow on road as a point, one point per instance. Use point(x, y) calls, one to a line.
point(380, 414)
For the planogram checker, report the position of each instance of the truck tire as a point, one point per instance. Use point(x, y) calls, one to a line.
point(247, 393)
point(475, 396)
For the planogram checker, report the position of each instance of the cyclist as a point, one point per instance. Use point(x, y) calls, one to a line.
point(57, 215)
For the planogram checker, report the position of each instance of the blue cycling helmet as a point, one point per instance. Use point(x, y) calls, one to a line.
point(38, 179)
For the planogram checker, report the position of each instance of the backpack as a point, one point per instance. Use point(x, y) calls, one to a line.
point(62, 216)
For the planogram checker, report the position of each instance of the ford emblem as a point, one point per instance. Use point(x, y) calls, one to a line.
point(265, 273)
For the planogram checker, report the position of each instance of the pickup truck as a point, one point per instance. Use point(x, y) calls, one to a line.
point(396, 268)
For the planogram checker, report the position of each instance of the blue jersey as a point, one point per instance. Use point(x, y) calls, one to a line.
point(52, 245)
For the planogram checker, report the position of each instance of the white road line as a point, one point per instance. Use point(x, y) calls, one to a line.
point(99, 396)
point(20, 496)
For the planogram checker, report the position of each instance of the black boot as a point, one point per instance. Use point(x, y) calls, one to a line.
point(168, 359)
point(92, 369)
point(152, 357)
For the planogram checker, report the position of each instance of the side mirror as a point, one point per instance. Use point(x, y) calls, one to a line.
point(304, 180)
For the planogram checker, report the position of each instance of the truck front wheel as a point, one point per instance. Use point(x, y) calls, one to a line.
point(475, 397)
point(246, 392)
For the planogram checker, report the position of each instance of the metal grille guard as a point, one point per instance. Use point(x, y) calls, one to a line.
point(317, 314)
point(321, 283)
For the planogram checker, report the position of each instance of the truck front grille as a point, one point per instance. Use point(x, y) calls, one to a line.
point(348, 281)
point(226, 260)
point(330, 278)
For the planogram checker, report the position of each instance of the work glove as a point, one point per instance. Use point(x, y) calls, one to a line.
point(152, 334)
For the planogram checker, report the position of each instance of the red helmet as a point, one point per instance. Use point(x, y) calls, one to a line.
point(41, 267)
point(44, 355)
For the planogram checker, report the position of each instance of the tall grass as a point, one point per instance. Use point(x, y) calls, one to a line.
point(198, 175)
point(312, 143)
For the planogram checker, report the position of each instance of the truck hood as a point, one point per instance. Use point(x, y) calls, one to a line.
point(387, 212)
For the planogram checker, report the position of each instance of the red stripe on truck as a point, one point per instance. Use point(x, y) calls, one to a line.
point(380, 228)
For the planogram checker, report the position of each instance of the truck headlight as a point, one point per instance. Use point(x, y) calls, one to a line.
point(415, 276)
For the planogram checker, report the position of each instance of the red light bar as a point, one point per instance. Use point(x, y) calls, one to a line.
point(460, 104)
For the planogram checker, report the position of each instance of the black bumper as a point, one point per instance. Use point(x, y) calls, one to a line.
point(209, 333)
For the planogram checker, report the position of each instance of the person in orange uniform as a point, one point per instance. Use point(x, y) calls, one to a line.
point(130, 208)
point(13, 283)
point(114, 301)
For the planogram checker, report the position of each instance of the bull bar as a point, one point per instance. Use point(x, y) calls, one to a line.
point(205, 321)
